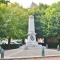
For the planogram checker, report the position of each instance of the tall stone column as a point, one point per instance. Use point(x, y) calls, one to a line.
point(31, 41)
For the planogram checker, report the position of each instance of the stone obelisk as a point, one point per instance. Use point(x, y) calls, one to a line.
point(31, 40)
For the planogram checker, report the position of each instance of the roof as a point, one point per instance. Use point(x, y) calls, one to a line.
point(33, 5)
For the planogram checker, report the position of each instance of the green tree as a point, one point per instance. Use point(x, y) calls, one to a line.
point(13, 21)
point(51, 22)
point(3, 32)
point(16, 21)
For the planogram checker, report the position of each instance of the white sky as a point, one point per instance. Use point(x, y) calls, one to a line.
point(27, 3)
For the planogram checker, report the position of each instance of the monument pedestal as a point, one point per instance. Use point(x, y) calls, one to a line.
point(31, 43)
point(32, 47)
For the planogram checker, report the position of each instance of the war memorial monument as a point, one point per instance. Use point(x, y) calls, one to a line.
point(31, 39)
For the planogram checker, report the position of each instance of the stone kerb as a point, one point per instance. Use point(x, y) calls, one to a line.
point(36, 58)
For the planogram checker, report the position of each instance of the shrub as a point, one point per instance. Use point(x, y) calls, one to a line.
point(9, 46)
point(52, 45)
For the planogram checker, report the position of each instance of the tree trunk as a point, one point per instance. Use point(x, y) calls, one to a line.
point(23, 41)
point(9, 40)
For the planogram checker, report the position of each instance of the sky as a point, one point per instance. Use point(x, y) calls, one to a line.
point(27, 3)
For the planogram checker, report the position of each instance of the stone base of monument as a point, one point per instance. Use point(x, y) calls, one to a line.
point(31, 47)
point(31, 44)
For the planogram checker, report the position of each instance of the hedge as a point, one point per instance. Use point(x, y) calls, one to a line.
point(52, 45)
point(9, 46)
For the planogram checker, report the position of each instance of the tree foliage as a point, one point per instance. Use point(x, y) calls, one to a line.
point(14, 20)
point(52, 20)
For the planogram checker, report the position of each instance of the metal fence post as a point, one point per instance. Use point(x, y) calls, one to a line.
point(47, 46)
point(43, 51)
point(58, 47)
point(1, 53)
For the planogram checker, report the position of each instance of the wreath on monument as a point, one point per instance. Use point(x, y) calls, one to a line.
point(32, 37)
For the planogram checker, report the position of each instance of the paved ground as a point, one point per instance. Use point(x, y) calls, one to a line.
point(34, 54)
point(20, 53)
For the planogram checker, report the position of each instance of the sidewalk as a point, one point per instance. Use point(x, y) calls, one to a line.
point(29, 53)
